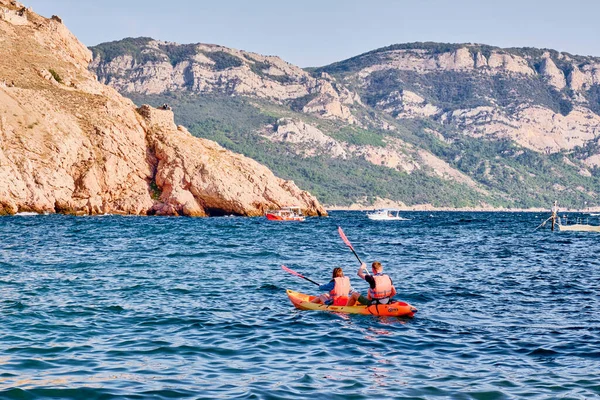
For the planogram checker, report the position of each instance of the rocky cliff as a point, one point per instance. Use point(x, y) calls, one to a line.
point(148, 66)
point(70, 144)
point(446, 124)
point(519, 94)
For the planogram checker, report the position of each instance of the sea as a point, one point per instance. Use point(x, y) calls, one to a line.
point(128, 307)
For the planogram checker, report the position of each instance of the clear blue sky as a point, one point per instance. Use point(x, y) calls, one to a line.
point(318, 32)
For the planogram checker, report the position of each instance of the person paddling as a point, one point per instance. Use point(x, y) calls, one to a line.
point(381, 287)
point(338, 289)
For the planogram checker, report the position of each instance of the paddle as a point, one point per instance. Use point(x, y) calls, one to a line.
point(291, 271)
point(345, 239)
point(542, 224)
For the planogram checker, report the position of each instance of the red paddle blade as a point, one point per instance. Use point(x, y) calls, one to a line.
point(344, 238)
point(291, 271)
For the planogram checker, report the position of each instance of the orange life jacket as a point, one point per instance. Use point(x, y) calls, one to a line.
point(339, 293)
point(383, 287)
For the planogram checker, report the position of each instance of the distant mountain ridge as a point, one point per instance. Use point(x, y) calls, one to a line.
point(415, 123)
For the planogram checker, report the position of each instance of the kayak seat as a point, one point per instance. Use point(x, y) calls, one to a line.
point(340, 301)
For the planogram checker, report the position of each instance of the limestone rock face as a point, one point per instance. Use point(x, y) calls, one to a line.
point(462, 59)
point(459, 59)
point(198, 176)
point(235, 72)
point(583, 78)
point(396, 154)
point(577, 79)
point(554, 75)
point(328, 106)
point(534, 127)
point(298, 132)
point(425, 82)
point(70, 144)
point(480, 60)
point(16, 15)
point(502, 62)
point(407, 105)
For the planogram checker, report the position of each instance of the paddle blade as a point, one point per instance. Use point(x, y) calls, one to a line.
point(344, 238)
point(291, 271)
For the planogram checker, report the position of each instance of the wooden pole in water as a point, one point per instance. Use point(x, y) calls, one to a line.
point(554, 214)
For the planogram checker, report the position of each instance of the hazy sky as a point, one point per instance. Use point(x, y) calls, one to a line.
point(318, 32)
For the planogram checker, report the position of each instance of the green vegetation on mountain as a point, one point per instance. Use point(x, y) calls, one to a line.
point(501, 166)
point(358, 136)
point(504, 167)
point(261, 69)
point(593, 97)
point(55, 75)
point(133, 47)
point(173, 52)
point(177, 53)
point(223, 60)
point(233, 122)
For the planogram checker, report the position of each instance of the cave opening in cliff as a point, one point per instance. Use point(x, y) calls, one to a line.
point(218, 212)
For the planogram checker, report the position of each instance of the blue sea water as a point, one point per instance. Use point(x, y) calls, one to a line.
point(160, 308)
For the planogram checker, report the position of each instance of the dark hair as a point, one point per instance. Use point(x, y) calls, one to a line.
point(337, 272)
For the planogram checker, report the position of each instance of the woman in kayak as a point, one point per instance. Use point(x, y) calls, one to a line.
point(338, 289)
point(381, 288)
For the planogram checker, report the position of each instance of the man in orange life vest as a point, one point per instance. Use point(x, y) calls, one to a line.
point(381, 288)
point(338, 289)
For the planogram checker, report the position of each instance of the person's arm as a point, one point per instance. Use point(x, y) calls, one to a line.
point(328, 286)
point(393, 291)
point(362, 271)
point(370, 280)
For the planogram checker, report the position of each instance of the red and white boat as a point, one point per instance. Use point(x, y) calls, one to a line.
point(285, 214)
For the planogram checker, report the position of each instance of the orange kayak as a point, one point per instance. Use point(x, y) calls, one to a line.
point(396, 309)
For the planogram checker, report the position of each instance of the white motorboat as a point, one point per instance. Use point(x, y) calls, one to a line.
point(579, 228)
point(386, 214)
point(580, 225)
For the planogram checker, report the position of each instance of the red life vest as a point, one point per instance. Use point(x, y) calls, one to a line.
point(340, 291)
point(383, 287)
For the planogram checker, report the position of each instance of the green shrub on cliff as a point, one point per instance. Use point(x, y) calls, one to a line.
point(178, 52)
point(55, 75)
point(223, 60)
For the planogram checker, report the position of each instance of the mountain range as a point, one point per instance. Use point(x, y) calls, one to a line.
point(415, 124)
